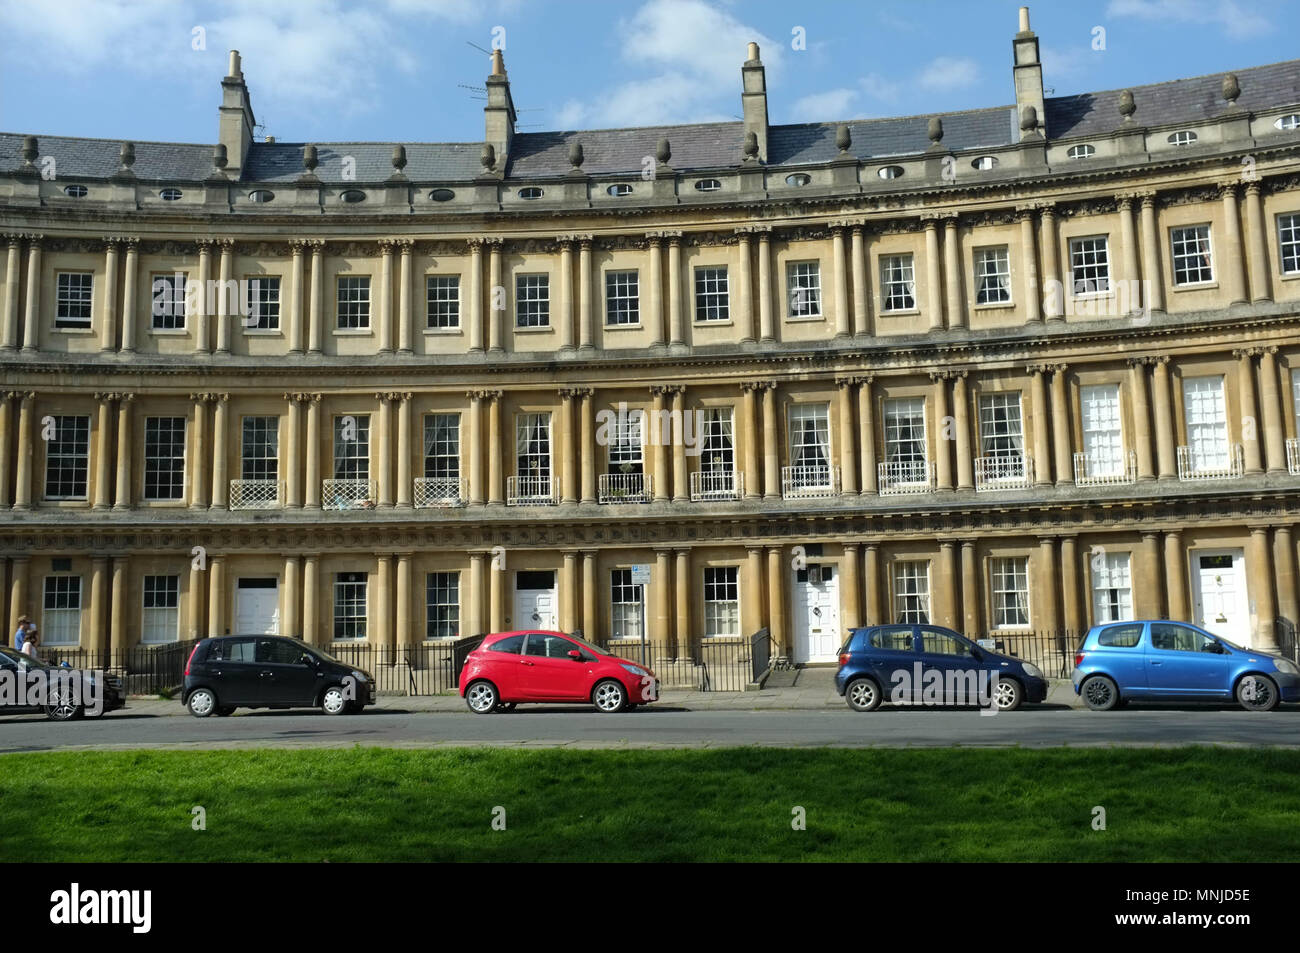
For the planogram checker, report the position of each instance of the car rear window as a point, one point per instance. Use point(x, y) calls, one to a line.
point(513, 645)
point(894, 638)
point(231, 650)
point(1120, 636)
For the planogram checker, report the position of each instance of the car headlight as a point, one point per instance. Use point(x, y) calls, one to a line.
point(1287, 667)
point(1032, 670)
point(636, 670)
point(359, 676)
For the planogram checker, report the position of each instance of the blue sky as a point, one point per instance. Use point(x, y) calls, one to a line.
point(393, 70)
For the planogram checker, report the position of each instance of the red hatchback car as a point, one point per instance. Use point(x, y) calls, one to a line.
point(512, 667)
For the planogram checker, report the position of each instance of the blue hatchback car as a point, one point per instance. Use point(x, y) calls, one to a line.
point(1160, 660)
point(931, 665)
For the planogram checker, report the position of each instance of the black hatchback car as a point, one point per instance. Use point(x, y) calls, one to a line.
point(271, 671)
point(68, 693)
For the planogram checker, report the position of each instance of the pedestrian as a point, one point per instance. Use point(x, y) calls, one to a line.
point(32, 642)
point(21, 632)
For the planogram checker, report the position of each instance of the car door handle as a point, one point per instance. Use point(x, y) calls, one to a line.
point(265, 674)
point(523, 662)
point(1154, 662)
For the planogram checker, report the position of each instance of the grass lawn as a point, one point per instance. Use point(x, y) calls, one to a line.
point(1179, 804)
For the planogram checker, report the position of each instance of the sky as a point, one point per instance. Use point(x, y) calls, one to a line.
point(413, 70)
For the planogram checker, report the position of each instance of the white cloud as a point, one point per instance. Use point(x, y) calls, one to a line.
point(1230, 16)
point(877, 87)
point(948, 72)
point(826, 106)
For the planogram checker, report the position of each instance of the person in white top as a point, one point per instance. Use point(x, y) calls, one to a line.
point(32, 642)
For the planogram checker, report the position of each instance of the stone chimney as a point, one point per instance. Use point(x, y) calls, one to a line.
point(1027, 69)
point(499, 114)
point(753, 98)
point(235, 118)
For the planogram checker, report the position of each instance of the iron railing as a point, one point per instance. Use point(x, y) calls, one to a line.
point(144, 669)
point(1216, 466)
point(709, 485)
point(1293, 456)
point(810, 482)
point(532, 491)
point(1052, 650)
point(1103, 469)
point(1011, 472)
point(905, 476)
point(256, 494)
point(624, 488)
point(347, 494)
point(439, 491)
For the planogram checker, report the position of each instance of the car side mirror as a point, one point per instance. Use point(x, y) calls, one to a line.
point(307, 659)
point(575, 654)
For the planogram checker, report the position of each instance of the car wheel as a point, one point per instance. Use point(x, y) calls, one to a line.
point(225, 712)
point(1099, 693)
point(202, 702)
point(61, 708)
point(863, 694)
point(609, 696)
point(1008, 695)
point(1257, 693)
point(334, 701)
point(482, 698)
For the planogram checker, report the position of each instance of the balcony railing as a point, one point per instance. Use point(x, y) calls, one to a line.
point(809, 482)
point(707, 485)
point(256, 494)
point(1011, 472)
point(439, 491)
point(624, 488)
point(1293, 456)
point(905, 476)
point(1099, 469)
point(347, 494)
point(532, 491)
point(1217, 466)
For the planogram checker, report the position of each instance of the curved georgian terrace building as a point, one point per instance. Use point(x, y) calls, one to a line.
point(1015, 370)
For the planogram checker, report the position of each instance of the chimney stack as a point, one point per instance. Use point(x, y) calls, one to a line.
point(1027, 70)
point(499, 114)
point(235, 120)
point(753, 98)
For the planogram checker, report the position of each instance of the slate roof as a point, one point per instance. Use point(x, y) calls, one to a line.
point(703, 146)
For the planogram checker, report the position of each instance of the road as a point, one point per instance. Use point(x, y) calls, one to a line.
point(658, 727)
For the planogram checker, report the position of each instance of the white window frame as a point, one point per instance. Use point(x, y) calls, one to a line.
point(350, 593)
point(441, 302)
point(263, 303)
point(160, 624)
point(1112, 587)
point(803, 282)
point(253, 466)
point(1207, 433)
point(442, 455)
point(997, 436)
point(353, 302)
point(74, 291)
point(353, 463)
point(441, 604)
point(1101, 422)
point(71, 465)
point(627, 605)
point(1006, 573)
point(898, 282)
point(721, 615)
point(1090, 265)
point(993, 275)
point(178, 473)
point(622, 298)
point(1191, 251)
point(167, 301)
point(912, 592)
point(532, 301)
point(1288, 243)
point(534, 446)
point(61, 623)
point(712, 294)
point(808, 430)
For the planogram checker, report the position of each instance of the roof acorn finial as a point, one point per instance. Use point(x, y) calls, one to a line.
point(1127, 107)
point(843, 139)
point(309, 159)
point(127, 156)
point(1028, 119)
point(399, 157)
point(576, 155)
point(31, 150)
point(488, 158)
point(1231, 88)
point(934, 129)
point(219, 159)
point(663, 152)
point(751, 146)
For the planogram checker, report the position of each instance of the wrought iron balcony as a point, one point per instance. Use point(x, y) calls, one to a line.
point(905, 476)
point(624, 488)
point(1293, 456)
point(1105, 469)
point(1011, 472)
point(439, 491)
point(532, 491)
point(810, 482)
point(347, 494)
point(256, 494)
point(1228, 464)
point(709, 485)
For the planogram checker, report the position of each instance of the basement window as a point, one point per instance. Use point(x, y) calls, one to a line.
point(890, 172)
point(75, 191)
point(1084, 151)
point(261, 196)
point(442, 195)
point(530, 193)
point(169, 195)
point(708, 185)
point(1286, 123)
point(352, 196)
point(1184, 137)
point(984, 163)
point(798, 179)
point(620, 189)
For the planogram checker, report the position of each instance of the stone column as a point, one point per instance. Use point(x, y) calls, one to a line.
point(851, 587)
point(871, 571)
point(1137, 380)
point(220, 430)
point(1271, 400)
point(1071, 572)
point(749, 432)
point(475, 451)
point(1054, 286)
point(32, 314)
point(13, 266)
point(1256, 230)
point(103, 451)
point(766, 322)
point(404, 628)
point(942, 449)
point(293, 453)
point(117, 631)
point(676, 325)
point(848, 456)
point(1130, 271)
point(586, 325)
point(404, 480)
point(18, 593)
point(660, 452)
point(663, 589)
point(933, 274)
point(843, 327)
point(495, 487)
point(776, 600)
point(1284, 557)
point(962, 432)
point(948, 579)
point(216, 596)
point(23, 467)
point(312, 452)
point(474, 598)
point(295, 296)
point(1232, 254)
point(1176, 577)
point(316, 309)
point(1147, 580)
point(1152, 273)
point(1048, 576)
point(682, 587)
point(384, 449)
point(590, 600)
point(202, 335)
point(497, 297)
point(1029, 264)
point(292, 598)
point(867, 436)
point(589, 463)
point(6, 438)
point(1260, 586)
point(108, 302)
point(1247, 411)
point(952, 271)
point(654, 293)
point(972, 606)
point(130, 272)
point(223, 299)
point(753, 605)
point(861, 290)
point(568, 448)
point(1166, 457)
point(125, 450)
point(745, 289)
point(496, 594)
point(771, 445)
point(202, 454)
point(194, 618)
point(681, 488)
point(405, 294)
point(383, 605)
point(311, 599)
point(564, 306)
point(93, 633)
point(1061, 417)
point(474, 314)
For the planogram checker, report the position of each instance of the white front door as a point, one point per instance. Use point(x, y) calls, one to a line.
point(817, 613)
point(1219, 589)
point(536, 602)
point(257, 607)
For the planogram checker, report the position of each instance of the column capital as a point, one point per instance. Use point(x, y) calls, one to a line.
point(667, 389)
point(1226, 189)
point(110, 242)
point(495, 242)
point(1254, 188)
point(34, 238)
point(846, 382)
point(15, 239)
point(1038, 368)
point(296, 245)
point(945, 375)
point(1148, 198)
point(1246, 352)
point(385, 245)
point(317, 245)
point(1025, 212)
point(205, 244)
point(405, 245)
point(673, 234)
point(475, 242)
point(757, 229)
point(565, 240)
point(1046, 209)
point(577, 391)
point(227, 244)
